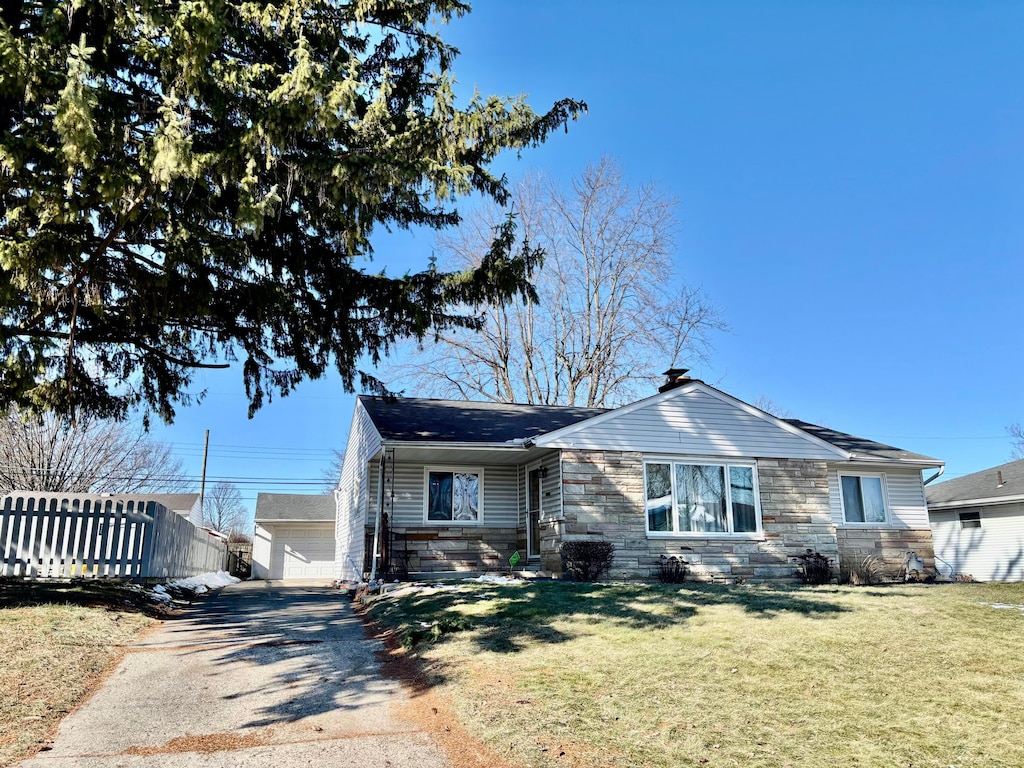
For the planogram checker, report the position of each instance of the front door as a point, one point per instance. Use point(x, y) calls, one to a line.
point(533, 497)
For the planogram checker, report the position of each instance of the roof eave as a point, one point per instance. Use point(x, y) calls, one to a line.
point(922, 463)
point(984, 502)
point(259, 520)
point(518, 445)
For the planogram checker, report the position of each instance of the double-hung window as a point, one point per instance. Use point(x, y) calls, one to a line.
point(863, 499)
point(453, 495)
point(684, 498)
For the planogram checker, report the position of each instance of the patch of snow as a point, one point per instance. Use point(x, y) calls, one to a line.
point(1005, 606)
point(492, 578)
point(197, 585)
point(205, 581)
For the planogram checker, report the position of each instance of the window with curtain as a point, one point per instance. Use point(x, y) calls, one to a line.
point(685, 499)
point(863, 499)
point(453, 496)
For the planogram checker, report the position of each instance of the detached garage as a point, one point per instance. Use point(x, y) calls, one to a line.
point(294, 537)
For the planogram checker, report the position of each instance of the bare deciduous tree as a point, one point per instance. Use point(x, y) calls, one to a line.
point(1016, 432)
point(766, 404)
point(50, 453)
point(611, 312)
point(332, 475)
point(223, 508)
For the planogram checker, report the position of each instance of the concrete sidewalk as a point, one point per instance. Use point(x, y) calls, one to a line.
point(256, 675)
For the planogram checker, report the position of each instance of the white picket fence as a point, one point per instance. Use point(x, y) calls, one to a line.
point(47, 535)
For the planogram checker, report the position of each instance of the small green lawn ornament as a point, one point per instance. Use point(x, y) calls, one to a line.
point(514, 559)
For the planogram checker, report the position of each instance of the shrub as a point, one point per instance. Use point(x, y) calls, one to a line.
point(862, 571)
point(813, 568)
point(586, 560)
point(672, 569)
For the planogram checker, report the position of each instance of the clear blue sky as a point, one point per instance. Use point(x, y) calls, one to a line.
point(850, 178)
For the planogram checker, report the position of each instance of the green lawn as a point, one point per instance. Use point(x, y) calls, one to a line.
point(552, 673)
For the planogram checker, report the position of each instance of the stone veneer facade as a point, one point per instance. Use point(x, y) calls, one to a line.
point(603, 498)
point(888, 545)
point(469, 548)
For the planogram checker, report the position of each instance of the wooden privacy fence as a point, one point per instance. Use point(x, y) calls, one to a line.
point(88, 536)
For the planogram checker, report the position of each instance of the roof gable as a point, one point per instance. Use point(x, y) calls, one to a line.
point(693, 419)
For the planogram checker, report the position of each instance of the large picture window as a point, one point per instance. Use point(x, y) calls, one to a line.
point(863, 499)
point(453, 496)
point(683, 498)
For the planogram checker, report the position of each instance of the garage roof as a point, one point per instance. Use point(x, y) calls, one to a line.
point(279, 507)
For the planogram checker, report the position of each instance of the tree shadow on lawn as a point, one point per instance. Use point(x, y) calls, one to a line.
point(518, 616)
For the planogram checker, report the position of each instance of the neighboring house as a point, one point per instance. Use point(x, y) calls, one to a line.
point(691, 471)
point(978, 523)
point(294, 536)
point(185, 504)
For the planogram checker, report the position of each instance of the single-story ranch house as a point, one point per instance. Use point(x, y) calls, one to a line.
point(978, 523)
point(436, 486)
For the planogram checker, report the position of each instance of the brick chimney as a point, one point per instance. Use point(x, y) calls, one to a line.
point(675, 377)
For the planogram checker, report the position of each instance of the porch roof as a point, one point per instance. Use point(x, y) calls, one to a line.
point(419, 420)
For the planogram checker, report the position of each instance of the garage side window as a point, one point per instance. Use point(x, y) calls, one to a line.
point(453, 496)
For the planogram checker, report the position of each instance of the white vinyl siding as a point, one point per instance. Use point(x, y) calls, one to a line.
point(694, 422)
point(352, 498)
point(993, 552)
point(905, 505)
point(499, 503)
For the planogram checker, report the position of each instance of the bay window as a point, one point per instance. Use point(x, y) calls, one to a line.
point(685, 498)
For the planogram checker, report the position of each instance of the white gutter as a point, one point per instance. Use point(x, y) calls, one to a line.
point(937, 475)
point(514, 446)
point(275, 520)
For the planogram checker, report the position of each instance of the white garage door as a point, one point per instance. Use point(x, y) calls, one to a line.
point(302, 551)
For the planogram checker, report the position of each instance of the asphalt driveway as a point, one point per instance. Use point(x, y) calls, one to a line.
point(256, 675)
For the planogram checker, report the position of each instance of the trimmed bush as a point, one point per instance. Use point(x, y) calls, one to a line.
point(672, 569)
point(814, 568)
point(586, 560)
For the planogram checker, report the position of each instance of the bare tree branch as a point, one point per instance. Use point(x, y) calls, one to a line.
point(224, 510)
point(1016, 432)
point(50, 453)
point(611, 312)
point(332, 475)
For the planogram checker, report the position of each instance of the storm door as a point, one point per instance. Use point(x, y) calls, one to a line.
point(533, 496)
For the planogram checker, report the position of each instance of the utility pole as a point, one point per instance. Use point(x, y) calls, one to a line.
point(202, 482)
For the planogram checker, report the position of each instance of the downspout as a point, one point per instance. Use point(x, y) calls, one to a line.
point(377, 517)
point(936, 475)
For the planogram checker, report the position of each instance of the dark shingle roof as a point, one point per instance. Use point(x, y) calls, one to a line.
point(860, 447)
point(981, 485)
point(295, 506)
point(421, 420)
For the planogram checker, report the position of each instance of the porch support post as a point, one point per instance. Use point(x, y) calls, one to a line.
point(376, 522)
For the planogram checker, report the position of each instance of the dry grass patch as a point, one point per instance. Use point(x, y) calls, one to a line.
point(551, 673)
point(57, 641)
